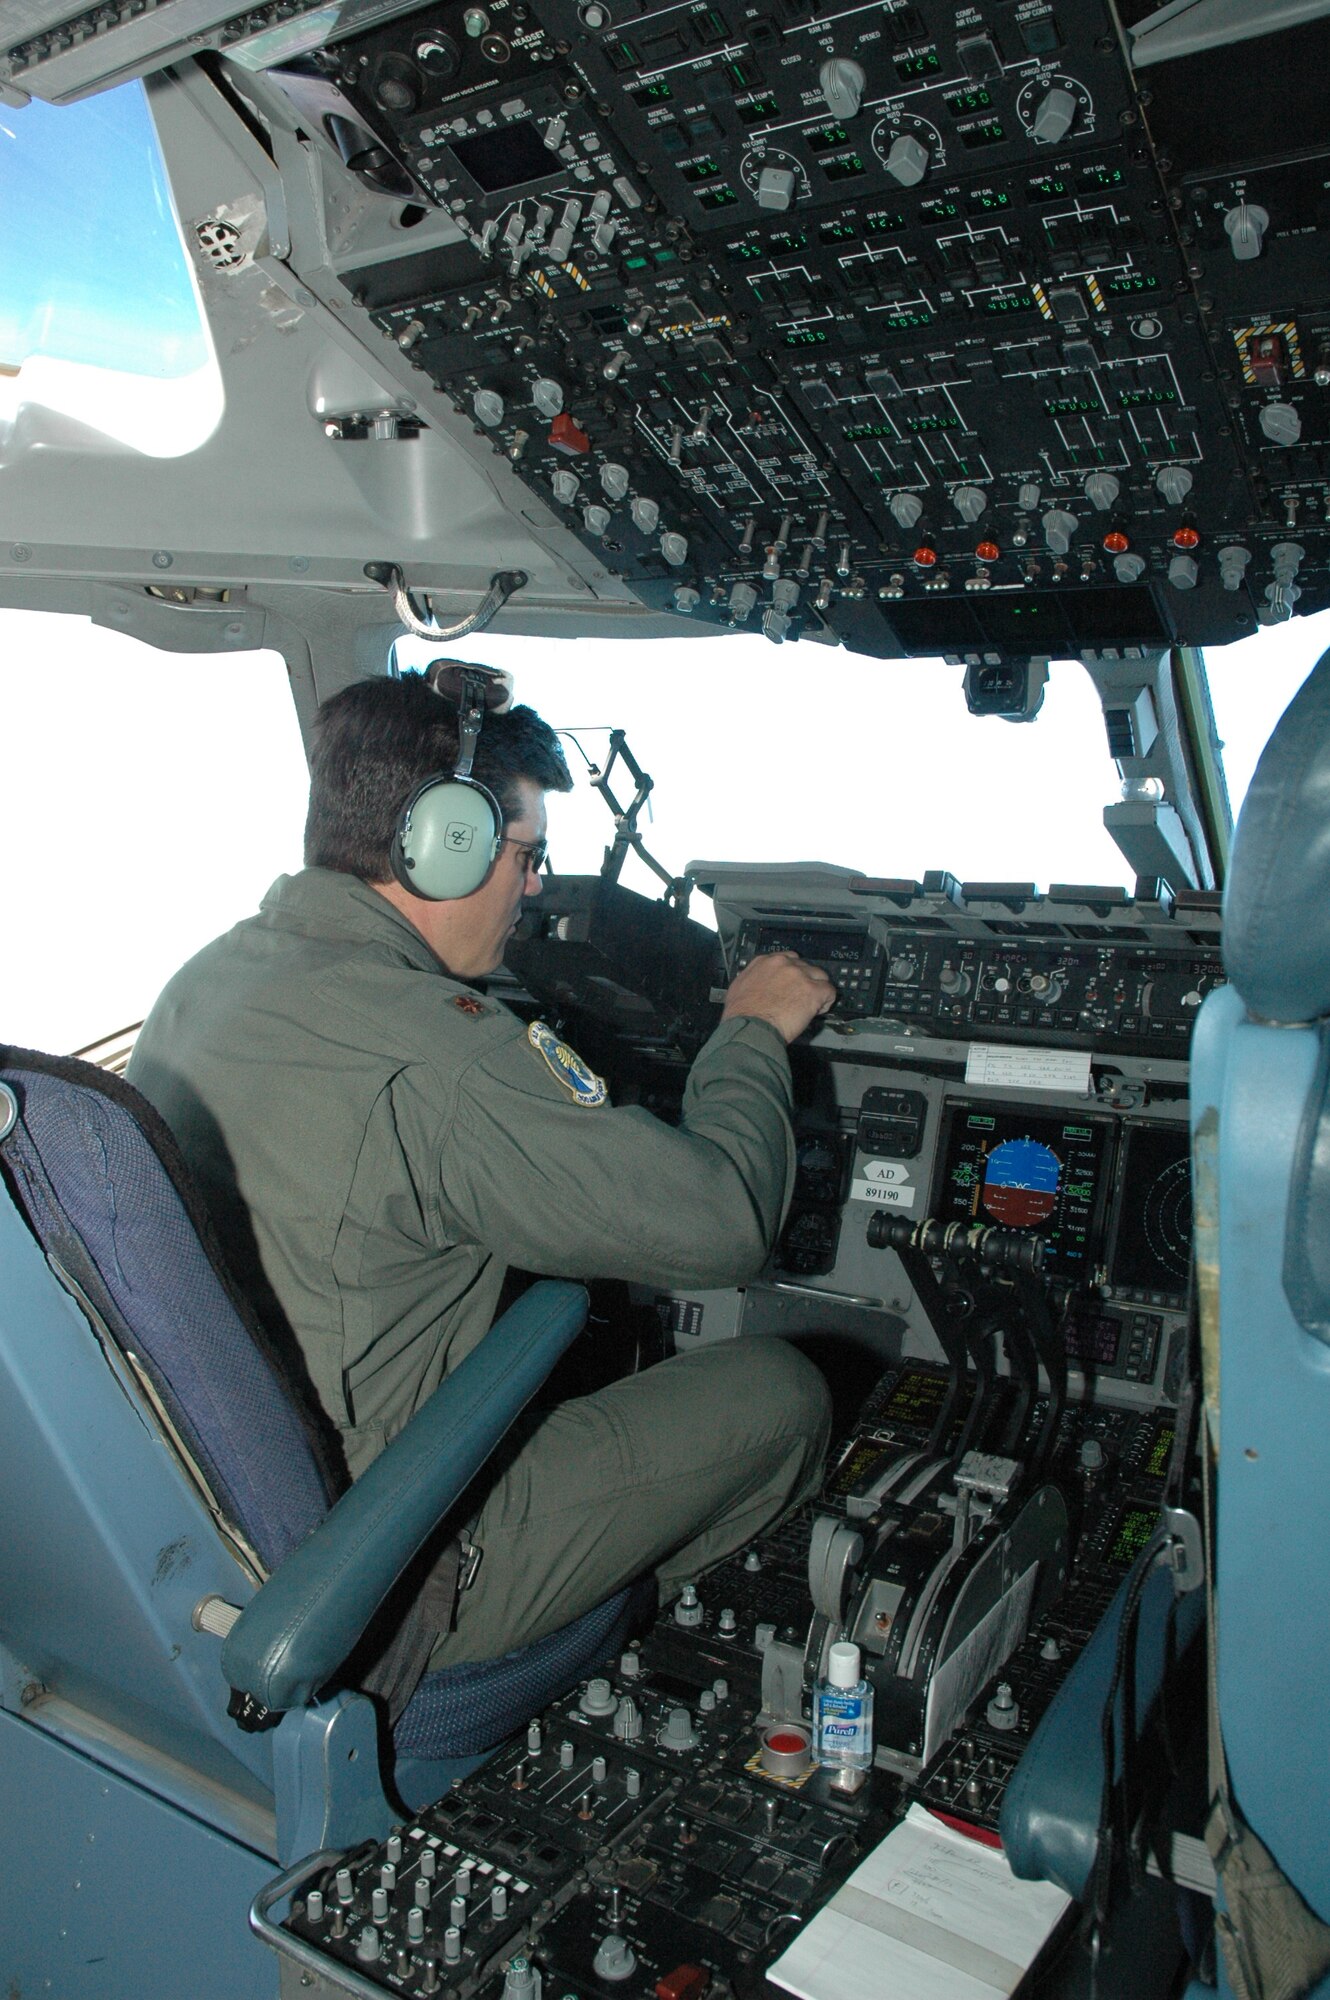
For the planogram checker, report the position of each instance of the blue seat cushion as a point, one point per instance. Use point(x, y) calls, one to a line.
point(103, 1187)
point(461, 1710)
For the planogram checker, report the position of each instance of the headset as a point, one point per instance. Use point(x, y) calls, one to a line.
point(450, 830)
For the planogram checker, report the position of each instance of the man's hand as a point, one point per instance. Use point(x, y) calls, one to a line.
point(782, 988)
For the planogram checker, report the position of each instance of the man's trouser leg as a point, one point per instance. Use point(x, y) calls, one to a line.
point(670, 1470)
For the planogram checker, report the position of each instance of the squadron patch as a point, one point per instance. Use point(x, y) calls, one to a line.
point(467, 1003)
point(582, 1084)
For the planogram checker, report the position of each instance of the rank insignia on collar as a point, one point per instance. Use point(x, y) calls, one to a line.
point(467, 1003)
point(581, 1083)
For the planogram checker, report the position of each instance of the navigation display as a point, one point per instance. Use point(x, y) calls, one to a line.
point(1151, 1258)
point(1035, 1171)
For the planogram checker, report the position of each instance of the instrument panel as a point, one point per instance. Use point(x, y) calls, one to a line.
point(923, 328)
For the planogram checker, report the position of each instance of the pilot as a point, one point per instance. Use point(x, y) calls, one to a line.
point(378, 1141)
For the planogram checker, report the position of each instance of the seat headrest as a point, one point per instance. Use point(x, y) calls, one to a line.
point(1277, 904)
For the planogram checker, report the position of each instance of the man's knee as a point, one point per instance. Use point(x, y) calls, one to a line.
point(791, 1388)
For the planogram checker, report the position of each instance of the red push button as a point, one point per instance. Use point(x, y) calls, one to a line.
point(925, 557)
point(1186, 538)
point(1116, 542)
point(787, 1750)
point(988, 551)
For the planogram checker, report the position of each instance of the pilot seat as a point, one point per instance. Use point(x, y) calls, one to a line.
point(173, 1549)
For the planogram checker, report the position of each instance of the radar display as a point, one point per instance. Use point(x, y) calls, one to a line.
point(1152, 1247)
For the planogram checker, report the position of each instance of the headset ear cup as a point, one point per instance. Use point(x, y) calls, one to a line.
point(447, 839)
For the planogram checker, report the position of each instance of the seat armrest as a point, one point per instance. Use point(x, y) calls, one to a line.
point(296, 1631)
point(1050, 1815)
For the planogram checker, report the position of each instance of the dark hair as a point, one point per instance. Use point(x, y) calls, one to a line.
point(376, 740)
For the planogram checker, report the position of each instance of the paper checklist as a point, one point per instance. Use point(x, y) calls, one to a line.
point(930, 1915)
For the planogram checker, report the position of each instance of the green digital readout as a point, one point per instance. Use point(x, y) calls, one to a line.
point(806, 336)
point(883, 222)
point(1070, 406)
point(911, 68)
point(857, 432)
point(653, 93)
point(966, 101)
point(937, 420)
point(1049, 187)
point(1161, 1451)
point(907, 322)
point(701, 170)
point(1128, 282)
point(1144, 399)
point(847, 168)
point(988, 133)
point(825, 138)
point(786, 241)
point(938, 211)
point(1134, 1531)
point(756, 109)
point(983, 201)
point(1009, 302)
point(718, 197)
point(838, 232)
point(1100, 175)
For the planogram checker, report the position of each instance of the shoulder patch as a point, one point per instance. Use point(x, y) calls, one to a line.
point(467, 1003)
point(581, 1083)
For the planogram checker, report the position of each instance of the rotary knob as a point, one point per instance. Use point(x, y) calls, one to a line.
point(1233, 561)
point(842, 84)
point(677, 1731)
point(907, 162)
point(905, 509)
point(674, 547)
point(1174, 483)
point(627, 1720)
point(615, 1958)
point(547, 395)
point(1281, 423)
point(1059, 527)
point(645, 514)
point(598, 1697)
point(614, 481)
point(488, 406)
point(1054, 117)
point(1101, 490)
point(775, 188)
point(1245, 227)
point(969, 502)
point(1183, 572)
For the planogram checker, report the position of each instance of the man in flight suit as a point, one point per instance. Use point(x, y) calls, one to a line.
point(378, 1141)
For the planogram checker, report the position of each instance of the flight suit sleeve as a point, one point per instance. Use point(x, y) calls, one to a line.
point(573, 1189)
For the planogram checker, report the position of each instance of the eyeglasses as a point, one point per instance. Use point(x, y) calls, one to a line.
point(533, 852)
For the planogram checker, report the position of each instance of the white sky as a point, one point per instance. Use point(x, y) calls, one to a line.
point(147, 799)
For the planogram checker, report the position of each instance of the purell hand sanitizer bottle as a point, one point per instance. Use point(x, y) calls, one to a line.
point(843, 1718)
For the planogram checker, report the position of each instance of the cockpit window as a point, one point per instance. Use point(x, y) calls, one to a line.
point(804, 753)
point(166, 791)
point(1252, 683)
point(99, 314)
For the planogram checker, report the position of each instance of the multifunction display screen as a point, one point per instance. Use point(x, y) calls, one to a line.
point(1152, 1243)
point(1025, 1170)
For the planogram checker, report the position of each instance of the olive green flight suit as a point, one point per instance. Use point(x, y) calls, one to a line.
point(377, 1142)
